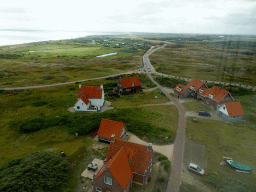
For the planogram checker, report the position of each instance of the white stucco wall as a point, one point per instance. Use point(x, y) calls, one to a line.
point(225, 111)
point(82, 105)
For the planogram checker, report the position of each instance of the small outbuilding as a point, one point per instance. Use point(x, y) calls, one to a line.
point(109, 128)
point(129, 85)
point(231, 111)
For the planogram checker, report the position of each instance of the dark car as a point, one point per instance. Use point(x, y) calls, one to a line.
point(204, 113)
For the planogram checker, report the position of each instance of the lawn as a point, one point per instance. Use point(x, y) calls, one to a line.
point(212, 60)
point(152, 97)
point(196, 106)
point(236, 140)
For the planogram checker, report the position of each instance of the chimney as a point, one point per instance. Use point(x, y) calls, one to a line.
point(113, 137)
point(150, 147)
point(80, 86)
point(101, 86)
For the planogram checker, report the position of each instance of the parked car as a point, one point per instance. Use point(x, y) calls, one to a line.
point(204, 113)
point(195, 168)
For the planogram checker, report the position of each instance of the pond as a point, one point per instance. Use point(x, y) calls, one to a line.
point(109, 54)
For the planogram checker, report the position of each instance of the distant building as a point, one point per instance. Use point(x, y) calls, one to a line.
point(129, 85)
point(90, 98)
point(231, 111)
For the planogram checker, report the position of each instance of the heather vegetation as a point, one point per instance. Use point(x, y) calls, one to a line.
point(40, 171)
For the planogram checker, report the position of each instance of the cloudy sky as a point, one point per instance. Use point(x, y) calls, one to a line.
point(170, 16)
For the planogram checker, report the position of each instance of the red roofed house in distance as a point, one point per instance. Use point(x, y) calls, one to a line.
point(129, 85)
point(90, 98)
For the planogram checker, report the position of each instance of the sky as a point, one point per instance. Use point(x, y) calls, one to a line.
point(170, 16)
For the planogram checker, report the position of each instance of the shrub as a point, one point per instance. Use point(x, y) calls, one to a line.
point(166, 164)
point(169, 82)
point(38, 103)
point(40, 171)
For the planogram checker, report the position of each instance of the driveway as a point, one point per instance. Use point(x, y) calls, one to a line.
point(166, 150)
point(213, 116)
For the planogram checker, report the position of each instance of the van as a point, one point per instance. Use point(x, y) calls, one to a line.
point(204, 113)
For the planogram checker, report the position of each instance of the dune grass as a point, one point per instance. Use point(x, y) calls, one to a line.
point(215, 61)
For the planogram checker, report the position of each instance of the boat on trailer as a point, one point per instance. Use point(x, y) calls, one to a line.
point(239, 166)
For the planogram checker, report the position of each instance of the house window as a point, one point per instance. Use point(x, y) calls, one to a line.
point(82, 103)
point(78, 107)
point(211, 96)
point(108, 180)
point(224, 108)
point(98, 189)
point(128, 89)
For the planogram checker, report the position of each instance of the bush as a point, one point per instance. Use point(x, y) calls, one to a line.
point(167, 165)
point(169, 82)
point(40, 171)
point(38, 103)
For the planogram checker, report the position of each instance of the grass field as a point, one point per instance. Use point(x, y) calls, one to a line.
point(213, 60)
point(62, 61)
point(236, 140)
point(196, 106)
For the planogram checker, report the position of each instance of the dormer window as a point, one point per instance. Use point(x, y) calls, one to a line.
point(211, 96)
point(192, 87)
point(132, 84)
point(201, 90)
point(179, 89)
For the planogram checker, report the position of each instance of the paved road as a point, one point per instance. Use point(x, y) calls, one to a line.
point(177, 159)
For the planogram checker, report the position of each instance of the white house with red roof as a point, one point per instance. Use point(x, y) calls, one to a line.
point(231, 111)
point(109, 128)
point(90, 98)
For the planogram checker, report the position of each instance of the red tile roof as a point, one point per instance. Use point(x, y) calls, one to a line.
point(127, 82)
point(196, 83)
point(183, 88)
point(109, 127)
point(218, 94)
point(119, 168)
point(234, 109)
point(138, 155)
point(91, 92)
point(84, 99)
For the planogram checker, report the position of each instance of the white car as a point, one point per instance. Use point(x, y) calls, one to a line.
point(195, 168)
